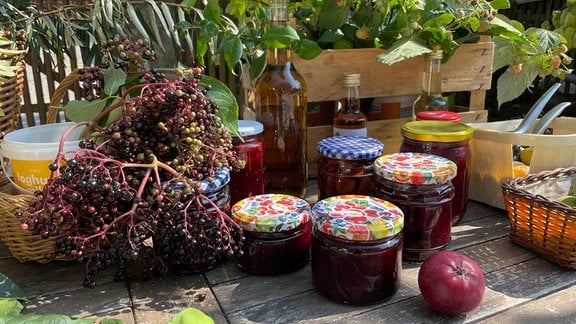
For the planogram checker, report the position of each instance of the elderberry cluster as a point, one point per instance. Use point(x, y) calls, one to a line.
point(131, 192)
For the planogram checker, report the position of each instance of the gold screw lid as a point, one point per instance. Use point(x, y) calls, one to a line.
point(436, 131)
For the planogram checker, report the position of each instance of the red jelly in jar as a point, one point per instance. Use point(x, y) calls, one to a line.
point(277, 232)
point(345, 165)
point(250, 180)
point(356, 248)
point(447, 139)
point(420, 184)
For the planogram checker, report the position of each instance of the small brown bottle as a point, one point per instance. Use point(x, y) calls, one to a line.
point(349, 120)
point(431, 97)
point(281, 101)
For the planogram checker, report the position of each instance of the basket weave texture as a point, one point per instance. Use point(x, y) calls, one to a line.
point(544, 226)
point(23, 244)
point(10, 100)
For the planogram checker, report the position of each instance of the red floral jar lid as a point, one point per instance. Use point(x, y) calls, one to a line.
point(357, 217)
point(415, 168)
point(271, 213)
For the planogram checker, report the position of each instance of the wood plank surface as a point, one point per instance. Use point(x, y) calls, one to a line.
point(521, 288)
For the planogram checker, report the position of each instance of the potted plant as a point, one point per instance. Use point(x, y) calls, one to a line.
point(407, 28)
point(151, 167)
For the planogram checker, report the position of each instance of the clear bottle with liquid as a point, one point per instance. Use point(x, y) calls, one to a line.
point(431, 97)
point(350, 120)
point(281, 101)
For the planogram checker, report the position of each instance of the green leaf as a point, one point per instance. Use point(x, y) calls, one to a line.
point(403, 49)
point(236, 8)
point(55, 319)
point(500, 4)
point(191, 315)
point(226, 101)
point(9, 289)
point(10, 307)
point(333, 14)
point(82, 110)
point(231, 47)
point(307, 49)
point(511, 85)
point(331, 36)
point(113, 80)
point(280, 36)
point(257, 65)
point(213, 12)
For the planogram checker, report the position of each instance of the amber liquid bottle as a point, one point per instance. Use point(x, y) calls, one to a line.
point(431, 97)
point(281, 107)
point(349, 120)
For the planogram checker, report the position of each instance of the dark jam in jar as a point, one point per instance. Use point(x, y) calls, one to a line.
point(250, 180)
point(345, 165)
point(277, 232)
point(420, 185)
point(447, 139)
point(356, 248)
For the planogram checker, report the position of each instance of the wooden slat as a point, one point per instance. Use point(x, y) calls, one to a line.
point(469, 69)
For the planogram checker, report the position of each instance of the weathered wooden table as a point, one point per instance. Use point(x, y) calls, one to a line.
point(521, 287)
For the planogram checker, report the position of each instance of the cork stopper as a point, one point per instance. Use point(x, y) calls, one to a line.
point(351, 80)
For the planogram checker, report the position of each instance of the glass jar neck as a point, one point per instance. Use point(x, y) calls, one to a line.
point(432, 74)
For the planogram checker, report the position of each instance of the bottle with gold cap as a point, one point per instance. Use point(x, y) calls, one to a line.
point(431, 96)
point(350, 120)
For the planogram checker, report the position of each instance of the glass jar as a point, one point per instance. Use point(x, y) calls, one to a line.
point(250, 180)
point(356, 248)
point(277, 232)
point(449, 140)
point(345, 165)
point(184, 253)
point(420, 184)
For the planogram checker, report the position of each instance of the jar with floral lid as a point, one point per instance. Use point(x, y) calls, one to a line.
point(345, 165)
point(193, 252)
point(251, 179)
point(277, 232)
point(356, 248)
point(420, 184)
point(447, 139)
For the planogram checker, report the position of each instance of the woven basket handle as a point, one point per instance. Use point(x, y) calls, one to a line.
point(58, 96)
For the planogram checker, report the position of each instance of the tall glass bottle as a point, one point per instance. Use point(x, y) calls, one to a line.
point(431, 97)
point(281, 100)
point(349, 120)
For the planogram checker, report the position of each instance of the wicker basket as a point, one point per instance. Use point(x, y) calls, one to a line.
point(24, 245)
point(540, 223)
point(10, 100)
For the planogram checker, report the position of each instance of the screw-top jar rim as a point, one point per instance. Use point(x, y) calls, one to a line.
point(436, 131)
point(271, 213)
point(415, 168)
point(350, 147)
point(249, 127)
point(357, 217)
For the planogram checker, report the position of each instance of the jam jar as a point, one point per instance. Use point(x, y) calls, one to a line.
point(356, 248)
point(250, 180)
point(277, 232)
point(345, 165)
point(447, 139)
point(181, 253)
point(420, 184)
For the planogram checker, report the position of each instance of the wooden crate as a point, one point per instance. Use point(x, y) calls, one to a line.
point(468, 70)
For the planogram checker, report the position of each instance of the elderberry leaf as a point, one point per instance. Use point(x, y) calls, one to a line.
point(403, 49)
point(227, 104)
point(113, 80)
point(82, 110)
point(9, 289)
point(191, 315)
point(10, 307)
point(280, 36)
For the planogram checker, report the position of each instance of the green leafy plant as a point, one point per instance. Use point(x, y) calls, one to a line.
point(409, 28)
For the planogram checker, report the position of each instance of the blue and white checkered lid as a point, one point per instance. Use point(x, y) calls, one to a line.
point(219, 180)
point(350, 147)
